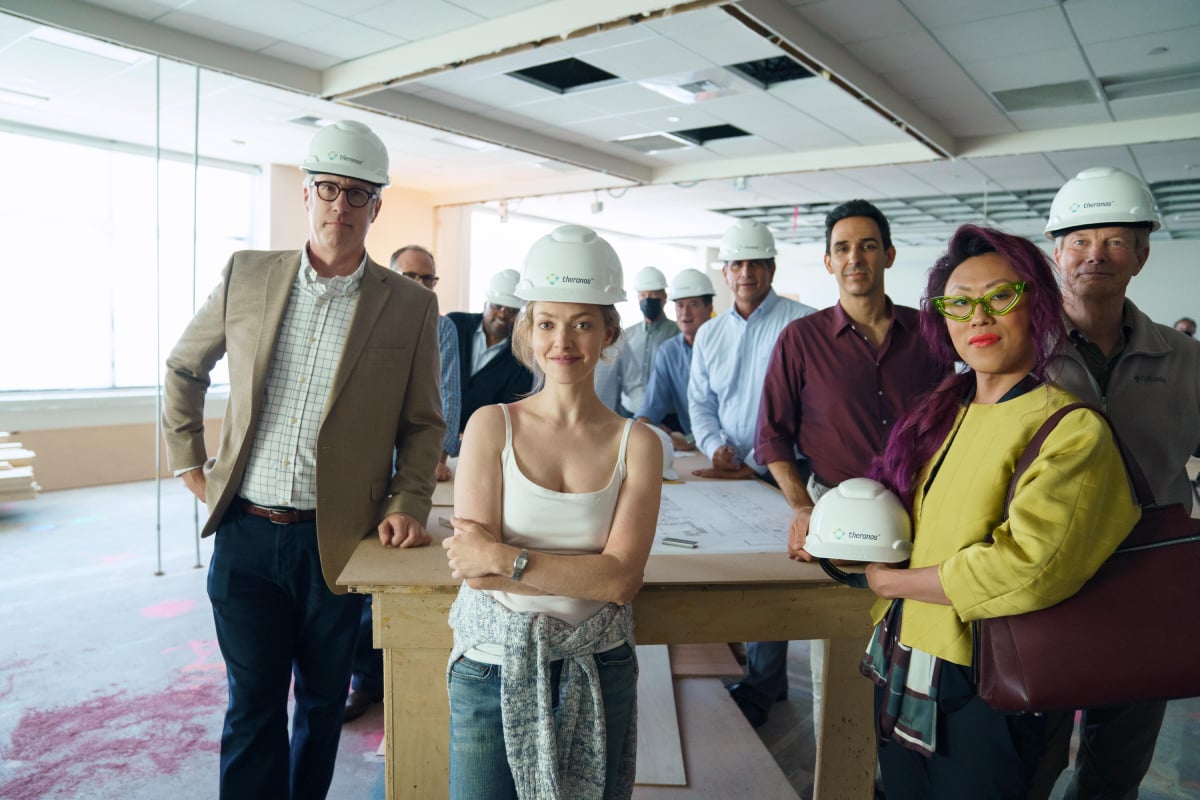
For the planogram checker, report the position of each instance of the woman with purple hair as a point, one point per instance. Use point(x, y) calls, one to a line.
point(992, 303)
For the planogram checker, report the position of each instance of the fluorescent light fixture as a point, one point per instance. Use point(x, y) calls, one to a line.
point(86, 44)
point(13, 97)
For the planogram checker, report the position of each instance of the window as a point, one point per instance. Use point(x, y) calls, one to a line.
point(84, 302)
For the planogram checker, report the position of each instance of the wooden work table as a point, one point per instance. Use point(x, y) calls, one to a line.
point(688, 597)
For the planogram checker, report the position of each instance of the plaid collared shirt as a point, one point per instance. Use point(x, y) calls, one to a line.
point(282, 468)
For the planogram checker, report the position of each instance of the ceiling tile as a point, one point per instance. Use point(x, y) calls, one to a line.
point(492, 9)
point(935, 13)
point(615, 37)
point(847, 21)
point(1071, 162)
point(949, 177)
point(1030, 69)
point(142, 9)
point(627, 98)
point(775, 120)
point(434, 17)
point(608, 129)
point(345, 39)
point(908, 51)
point(211, 29)
point(1059, 117)
point(558, 111)
point(494, 90)
point(1007, 36)
point(1105, 20)
point(726, 42)
point(13, 29)
point(675, 21)
point(1015, 173)
point(1164, 161)
point(1157, 106)
point(687, 116)
point(274, 19)
point(744, 147)
point(839, 111)
point(1132, 54)
point(918, 84)
point(633, 62)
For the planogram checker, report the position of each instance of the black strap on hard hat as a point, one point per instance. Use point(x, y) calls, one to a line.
point(854, 579)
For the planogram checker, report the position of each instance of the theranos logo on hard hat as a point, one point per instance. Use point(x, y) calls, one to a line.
point(858, 520)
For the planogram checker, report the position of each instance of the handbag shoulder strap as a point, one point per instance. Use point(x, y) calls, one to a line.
point(1140, 487)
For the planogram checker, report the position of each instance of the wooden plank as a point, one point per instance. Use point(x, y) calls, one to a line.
point(724, 756)
point(443, 495)
point(659, 752)
point(845, 770)
point(706, 660)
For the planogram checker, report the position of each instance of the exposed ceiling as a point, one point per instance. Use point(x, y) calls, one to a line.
point(941, 108)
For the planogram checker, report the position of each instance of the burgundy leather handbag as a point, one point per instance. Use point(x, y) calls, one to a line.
point(1126, 636)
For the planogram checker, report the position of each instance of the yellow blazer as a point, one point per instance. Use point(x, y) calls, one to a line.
point(384, 399)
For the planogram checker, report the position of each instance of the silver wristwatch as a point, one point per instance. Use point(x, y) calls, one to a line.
point(519, 564)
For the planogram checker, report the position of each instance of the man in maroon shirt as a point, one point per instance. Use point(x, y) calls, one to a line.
point(837, 380)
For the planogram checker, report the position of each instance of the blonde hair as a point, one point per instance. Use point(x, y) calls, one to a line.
point(522, 336)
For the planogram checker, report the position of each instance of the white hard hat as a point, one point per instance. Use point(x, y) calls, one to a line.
point(649, 279)
point(748, 240)
point(501, 287)
point(572, 264)
point(350, 149)
point(859, 520)
point(690, 283)
point(668, 448)
point(1101, 196)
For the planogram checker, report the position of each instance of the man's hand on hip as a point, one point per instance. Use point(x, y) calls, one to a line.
point(401, 530)
point(195, 482)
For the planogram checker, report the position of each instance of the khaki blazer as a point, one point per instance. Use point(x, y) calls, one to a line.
point(384, 398)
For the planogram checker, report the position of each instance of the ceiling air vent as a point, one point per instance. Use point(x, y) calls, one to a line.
point(654, 142)
point(766, 72)
point(1050, 95)
point(568, 75)
point(711, 134)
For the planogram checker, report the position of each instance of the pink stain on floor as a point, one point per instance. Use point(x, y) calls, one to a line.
point(61, 752)
point(168, 609)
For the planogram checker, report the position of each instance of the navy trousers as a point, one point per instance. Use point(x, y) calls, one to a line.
point(276, 621)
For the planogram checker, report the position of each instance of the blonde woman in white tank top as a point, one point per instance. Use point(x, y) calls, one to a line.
point(556, 500)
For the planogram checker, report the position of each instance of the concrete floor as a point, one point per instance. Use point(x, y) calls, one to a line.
point(111, 684)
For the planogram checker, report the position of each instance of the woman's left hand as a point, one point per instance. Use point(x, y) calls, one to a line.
point(877, 578)
point(471, 550)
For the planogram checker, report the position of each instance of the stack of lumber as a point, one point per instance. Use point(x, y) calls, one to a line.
point(16, 471)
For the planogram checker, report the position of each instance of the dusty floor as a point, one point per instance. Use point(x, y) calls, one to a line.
point(111, 684)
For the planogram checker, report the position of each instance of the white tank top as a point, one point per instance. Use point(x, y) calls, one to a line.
point(563, 523)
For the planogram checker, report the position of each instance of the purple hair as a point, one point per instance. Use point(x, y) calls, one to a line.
point(919, 433)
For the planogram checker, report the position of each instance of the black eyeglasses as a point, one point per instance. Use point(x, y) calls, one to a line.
point(356, 197)
point(429, 280)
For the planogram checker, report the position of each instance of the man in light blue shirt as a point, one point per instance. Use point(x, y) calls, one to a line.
point(729, 365)
point(730, 355)
point(665, 402)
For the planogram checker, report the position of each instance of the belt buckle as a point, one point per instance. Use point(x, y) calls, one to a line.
point(279, 516)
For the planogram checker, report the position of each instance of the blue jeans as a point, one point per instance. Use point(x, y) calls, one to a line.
point(478, 762)
point(276, 618)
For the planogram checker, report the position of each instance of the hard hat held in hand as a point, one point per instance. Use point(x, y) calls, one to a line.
point(748, 240)
point(668, 448)
point(690, 283)
point(1099, 197)
point(572, 264)
point(859, 520)
point(649, 279)
point(501, 287)
point(349, 149)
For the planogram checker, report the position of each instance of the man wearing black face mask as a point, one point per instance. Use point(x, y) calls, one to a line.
point(641, 341)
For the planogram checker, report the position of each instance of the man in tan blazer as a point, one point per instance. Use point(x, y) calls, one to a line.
point(332, 431)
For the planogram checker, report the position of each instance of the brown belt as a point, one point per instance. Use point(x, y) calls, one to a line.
point(280, 516)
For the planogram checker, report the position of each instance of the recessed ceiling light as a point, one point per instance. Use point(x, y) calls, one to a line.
point(672, 119)
point(16, 98)
point(86, 44)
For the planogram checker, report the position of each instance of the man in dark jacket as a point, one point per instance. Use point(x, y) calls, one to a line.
point(490, 372)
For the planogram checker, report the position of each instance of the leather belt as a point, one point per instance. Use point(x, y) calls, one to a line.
point(280, 516)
